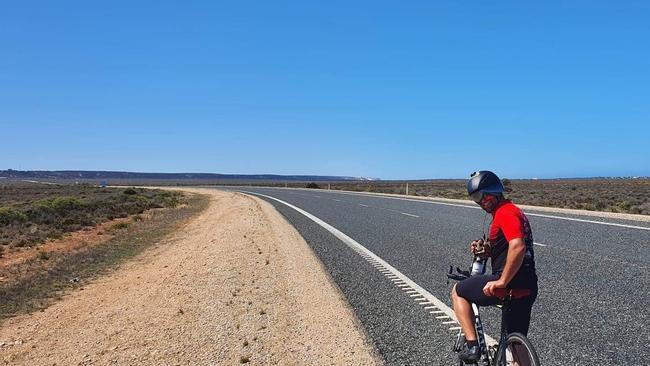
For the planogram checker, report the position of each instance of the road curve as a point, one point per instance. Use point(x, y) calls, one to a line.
point(593, 273)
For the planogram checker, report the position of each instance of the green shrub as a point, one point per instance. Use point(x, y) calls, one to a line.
point(9, 215)
point(59, 204)
point(130, 191)
point(312, 185)
point(121, 225)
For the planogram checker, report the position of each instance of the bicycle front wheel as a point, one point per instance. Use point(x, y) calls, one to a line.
point(519, 352)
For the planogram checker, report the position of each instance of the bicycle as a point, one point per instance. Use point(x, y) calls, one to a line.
point(513, 349)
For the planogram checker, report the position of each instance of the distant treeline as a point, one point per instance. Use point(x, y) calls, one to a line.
point(109, 175)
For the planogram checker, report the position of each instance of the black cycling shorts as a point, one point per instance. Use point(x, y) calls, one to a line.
point(518, 316)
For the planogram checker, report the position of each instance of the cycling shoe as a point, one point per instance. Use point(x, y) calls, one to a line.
point(470, 355)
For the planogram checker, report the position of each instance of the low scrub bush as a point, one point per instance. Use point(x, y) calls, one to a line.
point(44, 213)
point(130, 191)
point(9, 215)
point(120, 226)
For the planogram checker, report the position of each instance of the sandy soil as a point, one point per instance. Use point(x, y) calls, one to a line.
point(236, 285)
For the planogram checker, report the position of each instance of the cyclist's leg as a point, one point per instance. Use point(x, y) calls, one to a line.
point(464, 314)
point(518, 315)
point(518, 320)
point(464, 294)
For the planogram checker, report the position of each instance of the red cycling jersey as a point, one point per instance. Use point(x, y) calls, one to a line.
point(508, 223)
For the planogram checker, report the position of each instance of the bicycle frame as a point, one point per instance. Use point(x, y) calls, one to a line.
point(488, 352)
point(478, 326)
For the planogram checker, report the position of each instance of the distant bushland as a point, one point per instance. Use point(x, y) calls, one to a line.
point(31, 214)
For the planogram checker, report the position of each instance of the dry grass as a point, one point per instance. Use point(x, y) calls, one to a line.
point(35, 283)
point(30, 214)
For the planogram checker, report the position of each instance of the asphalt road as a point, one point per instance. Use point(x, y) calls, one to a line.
point(593, 302)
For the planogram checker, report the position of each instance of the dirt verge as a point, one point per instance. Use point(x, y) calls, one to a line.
point(237, 285)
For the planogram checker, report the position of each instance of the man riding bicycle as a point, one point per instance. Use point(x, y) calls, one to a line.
point(510, 247)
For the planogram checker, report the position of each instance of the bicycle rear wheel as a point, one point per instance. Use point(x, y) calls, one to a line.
point(519, 352)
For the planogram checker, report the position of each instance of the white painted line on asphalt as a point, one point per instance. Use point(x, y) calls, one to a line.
point(479, 208)
point(443, 317)
point(361, 204)
point(454, 328)
point(429, 307)
point(354, 245)
point(450, 322)
point(540, 244)
point(334, 199)
point(589, 221)
point(408, 214)
point(410, 199)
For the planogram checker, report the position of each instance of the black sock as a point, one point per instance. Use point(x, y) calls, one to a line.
point(472, 343)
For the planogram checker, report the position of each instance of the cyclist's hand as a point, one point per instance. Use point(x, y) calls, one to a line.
point(474, 244)
point(489, 288)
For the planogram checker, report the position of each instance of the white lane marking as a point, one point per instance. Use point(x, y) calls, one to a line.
point(361, 204)
point(408, 214)
point(527, 213)
point(354, 245)
point(589, 221)
point(412, 200)
point(540, 244)
point(334, 199)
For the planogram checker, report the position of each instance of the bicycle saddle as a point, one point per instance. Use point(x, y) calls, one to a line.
point(515, 293)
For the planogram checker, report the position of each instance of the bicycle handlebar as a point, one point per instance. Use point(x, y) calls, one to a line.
point(455, 277)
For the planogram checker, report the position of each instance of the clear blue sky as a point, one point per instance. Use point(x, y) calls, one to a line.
point(384, 89)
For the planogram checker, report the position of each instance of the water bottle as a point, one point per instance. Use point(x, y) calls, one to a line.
point(478, 266)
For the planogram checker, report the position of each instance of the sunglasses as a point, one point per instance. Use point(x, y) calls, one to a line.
point(477, 196)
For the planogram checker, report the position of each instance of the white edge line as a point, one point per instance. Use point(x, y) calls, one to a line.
point(363, 250)
point(589, 221)
point(540, 244)
point(527, 213)
point(408, 214)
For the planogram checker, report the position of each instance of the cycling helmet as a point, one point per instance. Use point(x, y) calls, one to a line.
point(482, 182)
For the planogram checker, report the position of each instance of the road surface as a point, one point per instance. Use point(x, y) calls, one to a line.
point(594, 280)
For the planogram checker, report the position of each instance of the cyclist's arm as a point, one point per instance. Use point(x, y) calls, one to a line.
point(514, 259)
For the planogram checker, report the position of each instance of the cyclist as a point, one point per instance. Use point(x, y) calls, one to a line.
point(510, 243)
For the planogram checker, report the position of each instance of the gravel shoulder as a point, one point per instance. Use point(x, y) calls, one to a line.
point(236, 285)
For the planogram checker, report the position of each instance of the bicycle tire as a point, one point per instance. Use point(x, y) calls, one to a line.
point(519, 339)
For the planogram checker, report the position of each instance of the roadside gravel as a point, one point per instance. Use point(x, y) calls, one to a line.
point(236, 285)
